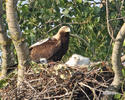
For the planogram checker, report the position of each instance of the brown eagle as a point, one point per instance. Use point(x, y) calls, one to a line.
point(52, 48)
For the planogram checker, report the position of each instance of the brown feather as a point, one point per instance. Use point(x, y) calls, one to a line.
point(46, 50)
point(52, 49)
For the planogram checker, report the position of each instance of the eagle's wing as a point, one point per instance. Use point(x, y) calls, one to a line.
point(45, 50)
point(39, 43)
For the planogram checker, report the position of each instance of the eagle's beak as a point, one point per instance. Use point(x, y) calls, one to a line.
point(67, 29)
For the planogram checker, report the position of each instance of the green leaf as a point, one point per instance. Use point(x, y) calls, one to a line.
point(98, 19)
point(66, 12)
point(117, 96)
point(123, 72)
point(90, 27)
point(79, 1)
point(124, 43)
point(96, 10)
point(3, 83)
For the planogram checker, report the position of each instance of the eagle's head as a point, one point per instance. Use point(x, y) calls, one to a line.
point(63, 32)
point(64, 29)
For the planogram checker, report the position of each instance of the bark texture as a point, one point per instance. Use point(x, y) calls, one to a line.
point(5, 43)
point(116, 57)
point(16, 36)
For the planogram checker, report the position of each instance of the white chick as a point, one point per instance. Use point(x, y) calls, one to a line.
point(78, 60)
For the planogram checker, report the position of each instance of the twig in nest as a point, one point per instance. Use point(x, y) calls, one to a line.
point(43, 90)
point(73, 91)
point(56, 97)
point(98, 83)
point(92, 89)
point(30, 85)
point(60, 96)
point(50, 89)
point(34, 80)
point(84, 92)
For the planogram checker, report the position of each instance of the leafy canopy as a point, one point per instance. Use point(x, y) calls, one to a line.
point(42, 18)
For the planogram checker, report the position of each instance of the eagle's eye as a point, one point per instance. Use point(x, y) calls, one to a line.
point(75, 57)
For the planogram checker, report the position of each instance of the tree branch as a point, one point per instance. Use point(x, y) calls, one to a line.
point(108, 24)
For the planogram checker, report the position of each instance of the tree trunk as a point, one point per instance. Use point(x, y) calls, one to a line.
point(16, 35)
point(5, 43)
point(116, 57)
point(116, 62)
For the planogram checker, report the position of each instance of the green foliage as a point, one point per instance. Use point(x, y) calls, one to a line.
point(117, 97)
point(123, 72)
point(86, 20)
point(124, 43)
point(3, 83)
point(79, 1)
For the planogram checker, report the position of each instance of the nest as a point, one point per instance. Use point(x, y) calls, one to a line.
point(59, 82)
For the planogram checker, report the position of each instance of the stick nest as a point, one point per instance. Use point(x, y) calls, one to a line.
point(59, 82)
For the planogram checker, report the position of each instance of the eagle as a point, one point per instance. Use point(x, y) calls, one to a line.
point(52, 49)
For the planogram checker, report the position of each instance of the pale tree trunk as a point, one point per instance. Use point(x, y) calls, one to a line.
point(116, 62)
point(116, 57)
point(16, 36)
point(5, 43)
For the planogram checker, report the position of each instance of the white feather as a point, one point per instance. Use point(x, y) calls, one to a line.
point(43, 60)
point(39, 42)
point(78, 60)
